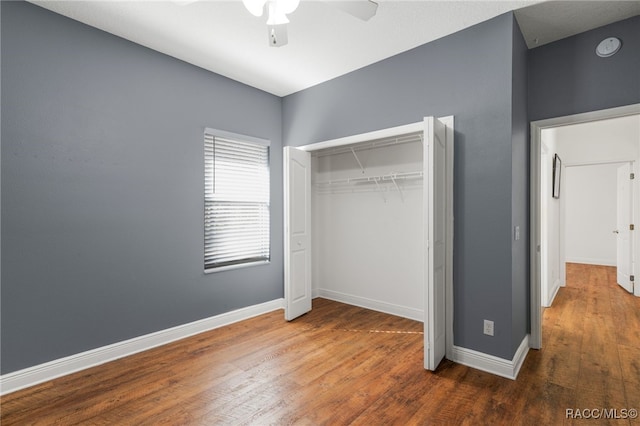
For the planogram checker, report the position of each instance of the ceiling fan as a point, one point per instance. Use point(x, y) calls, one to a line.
point(279, 9)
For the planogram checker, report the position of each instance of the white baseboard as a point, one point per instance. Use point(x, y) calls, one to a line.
point(375, 305)
point(554, 291)
point(493, 364)
point(61, 367)
point(591, 261)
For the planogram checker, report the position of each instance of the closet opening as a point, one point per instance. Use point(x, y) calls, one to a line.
point(367, 225)
point(368, 222)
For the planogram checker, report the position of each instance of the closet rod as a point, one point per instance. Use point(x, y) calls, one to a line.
point(376, 179)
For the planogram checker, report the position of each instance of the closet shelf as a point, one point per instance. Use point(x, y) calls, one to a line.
point(380, 143)
point(390, 177)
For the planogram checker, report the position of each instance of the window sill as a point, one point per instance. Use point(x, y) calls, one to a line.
point(241, 265)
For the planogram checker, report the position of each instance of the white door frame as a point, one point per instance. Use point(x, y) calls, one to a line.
point(544, 261)
point(411, 128)
point(535, 340)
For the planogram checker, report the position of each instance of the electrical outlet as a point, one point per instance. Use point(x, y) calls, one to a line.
point(488, 327)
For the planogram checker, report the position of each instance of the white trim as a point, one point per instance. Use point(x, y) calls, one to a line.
point(534, 182)
point(364, 137)
point(493, 364)
point(587, 117)
point(375, 305)
point(520, 356)
point(61, 367)
point(591, 261)
point(554, 293)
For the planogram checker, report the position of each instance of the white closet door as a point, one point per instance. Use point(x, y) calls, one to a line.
point(297, 232)
point(435, 241)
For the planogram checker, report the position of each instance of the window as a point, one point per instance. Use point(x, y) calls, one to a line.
point(236, 200)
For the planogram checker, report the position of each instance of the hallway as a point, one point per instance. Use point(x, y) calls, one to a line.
point(591, 342)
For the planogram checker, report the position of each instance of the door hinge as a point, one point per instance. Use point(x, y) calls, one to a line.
point(632, 176)
point(631, 227)
point(632, 278)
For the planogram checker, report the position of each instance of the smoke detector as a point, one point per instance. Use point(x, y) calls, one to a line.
point(608, 47)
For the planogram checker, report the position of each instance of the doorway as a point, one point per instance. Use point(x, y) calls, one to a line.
point(437, 228)
point(536, 203)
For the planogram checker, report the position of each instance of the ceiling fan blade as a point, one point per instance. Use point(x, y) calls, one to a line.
point(363, 9)
point(256, 7)
point(278, 35)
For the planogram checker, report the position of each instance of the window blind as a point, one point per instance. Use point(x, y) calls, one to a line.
point(236, 208)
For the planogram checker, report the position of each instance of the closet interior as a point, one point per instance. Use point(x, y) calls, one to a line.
point(367, 218)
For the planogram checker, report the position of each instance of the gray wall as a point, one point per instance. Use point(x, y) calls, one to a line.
point(519, 192)
point(468, 75)
point(102, 188)
point(567, 77)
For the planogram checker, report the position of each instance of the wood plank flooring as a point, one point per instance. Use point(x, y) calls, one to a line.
point(343, 365)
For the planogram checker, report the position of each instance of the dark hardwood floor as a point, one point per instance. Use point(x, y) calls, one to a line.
point(341, 365)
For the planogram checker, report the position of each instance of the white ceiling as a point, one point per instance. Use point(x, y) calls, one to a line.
point(324, 42)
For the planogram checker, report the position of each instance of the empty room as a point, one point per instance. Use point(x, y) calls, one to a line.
point(319, 212)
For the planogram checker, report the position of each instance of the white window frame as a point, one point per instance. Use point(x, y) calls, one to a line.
point(216, 133)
